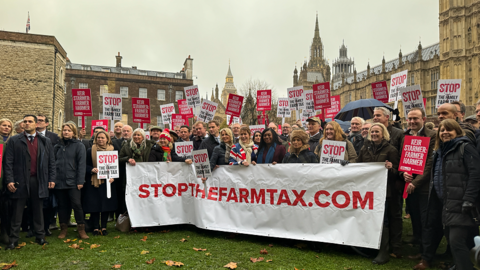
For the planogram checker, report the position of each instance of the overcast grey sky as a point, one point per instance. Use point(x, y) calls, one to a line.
point(263, 39)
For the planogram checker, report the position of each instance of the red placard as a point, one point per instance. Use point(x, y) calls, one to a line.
point(82, 102)
point(414, 154)
point(184, 109)
point(178, 120)
point(321, 115)
point(380, 91)
point(425, 103)
point(234, 106)
point(263, 119)
point(141, 110)
point(334, 109)
point(321, 95)
point(264, 100)
point(99, 123)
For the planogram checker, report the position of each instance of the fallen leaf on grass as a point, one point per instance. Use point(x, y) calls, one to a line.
point(231, 265)
point(173, 263)
point(9, 265)
point(80, 241)
point(117, 266)
point(208, 254)
point(165, 231)
point(21, 245)
point(94, 246)
point(150, 233)
point(188, 236)
point(144, 252)
point(317, 256)
point(144, 239)
point(31, 242)
point(67, 241)
point(44, 246)
point(102, 251)
point(150, 261)
point(116, 237)
point(87, 243)
point(75, 246)
point(74, 240)
point(271, 245)
point(199, 249)
point(254, 260)
point(347, 268)
point(178, 264)
point(183, 240)
point(263, 251)
point(269, 260)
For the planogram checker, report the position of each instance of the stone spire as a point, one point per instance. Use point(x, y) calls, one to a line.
point(368, 69)
point(216, 91)
point(383, 64)
point(212, 97)
point(400, 60)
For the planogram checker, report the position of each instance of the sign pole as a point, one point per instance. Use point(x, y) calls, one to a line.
point(83, 122)
point(109, 187)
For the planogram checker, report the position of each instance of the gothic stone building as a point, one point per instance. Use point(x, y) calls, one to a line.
point(32, 77)
point(160, 87)
point(222, 100)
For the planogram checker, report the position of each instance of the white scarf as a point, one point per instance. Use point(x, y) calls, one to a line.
point(248, 148)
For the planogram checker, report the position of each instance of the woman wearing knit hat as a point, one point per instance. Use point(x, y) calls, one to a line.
point(136, 149)
point(245, 151)
point(163, 150)
point(298, 152)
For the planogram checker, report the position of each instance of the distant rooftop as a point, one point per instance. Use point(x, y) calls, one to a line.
point(127, 70)
point(427, 54)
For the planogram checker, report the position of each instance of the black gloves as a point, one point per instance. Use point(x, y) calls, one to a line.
point(467, 207)
point(344, 162)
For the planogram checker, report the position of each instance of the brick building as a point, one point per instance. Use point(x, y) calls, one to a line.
point(160, 87)
point(32, 77)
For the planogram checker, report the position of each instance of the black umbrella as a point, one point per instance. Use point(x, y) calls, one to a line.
point(362, 108)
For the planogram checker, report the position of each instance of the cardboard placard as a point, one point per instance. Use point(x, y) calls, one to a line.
point(411, 97)
point(99, 123)
point(414, 154)
point(184, 109)
point(234, 105)
point(82, 102)
point(184, 149)
point(380, 91)
point(397, 80)
point(254, 128)
point(295, 98)
point(207, 111)
point(112, 106)
point(264, 100)
point(167, 110)
point(283, 108)
point(321, 95)
point(262, 119)
point(107, 164)
point(332, 151)
point(309, 103)
point(178, 120)
point(335, 108)
point(193, 96)
point(141, 110)
point(201, 162)
point(147, 135)
point(448, 91)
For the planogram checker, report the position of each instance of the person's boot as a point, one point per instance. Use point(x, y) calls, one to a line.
point(63, 230)
point(81, 231)
point(383, 256)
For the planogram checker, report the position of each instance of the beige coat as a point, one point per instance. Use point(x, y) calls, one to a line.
point(350, 153)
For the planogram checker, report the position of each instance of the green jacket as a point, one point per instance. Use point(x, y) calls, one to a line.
point(126, 152)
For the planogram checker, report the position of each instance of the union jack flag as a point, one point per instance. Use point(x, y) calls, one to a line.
point(28, 22)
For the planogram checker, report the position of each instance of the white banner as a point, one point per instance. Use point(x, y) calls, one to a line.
point(208, 111)
point(397, 80)
point(332, 152)
point(448, 91)
point(411, 97)
point(112, 106)
point(167, 110)
point(324, 203)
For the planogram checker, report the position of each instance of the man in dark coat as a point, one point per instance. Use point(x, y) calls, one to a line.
point(382, 115)
point(286, 130)
point(200, 133)
point(42, 125)
point(449, 111)
point(417, 189)
point(213, 139)
point(127, 132)
point(29, 171)
point(314, 124)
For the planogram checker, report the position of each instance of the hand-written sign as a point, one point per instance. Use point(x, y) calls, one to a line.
point(321, 95)
point(448, 91)
point(334, 109)
point(207, 112)
point(184, 149)
point(184, 109)
point(99, 123)
point(201, 162)
point(414, 154)
point(112, 106)
point(411, 98)
point(264, 100)
point(295, 98)
point(167, 110)
point(141, 110)
point(107, 164)
point(380, 91)
point(82, 102)
point(193, 96)
point(178, 120)
point(397, 80)
point(254, 128)
point(283, 109)
point(309, 103)
point(332, 151)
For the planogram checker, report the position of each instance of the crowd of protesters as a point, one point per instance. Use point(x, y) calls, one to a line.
point(44, 174)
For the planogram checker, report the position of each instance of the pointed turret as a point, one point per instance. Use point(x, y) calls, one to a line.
point(383, 64)
point(216, 91)
point(400, 56)
point(368, 69)
point(419, 51)
point(212, 97)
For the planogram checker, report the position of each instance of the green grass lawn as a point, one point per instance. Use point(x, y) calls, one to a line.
point(222, 248)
